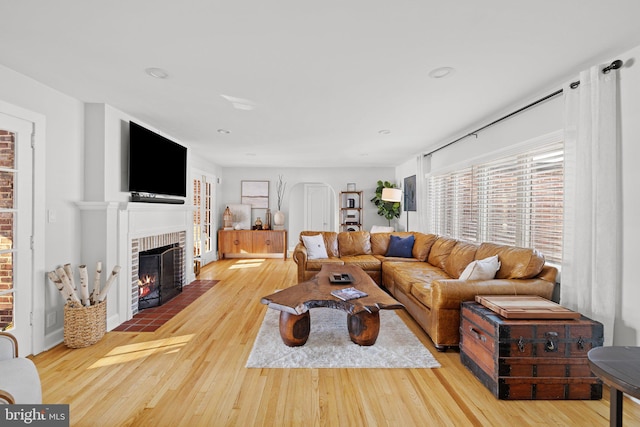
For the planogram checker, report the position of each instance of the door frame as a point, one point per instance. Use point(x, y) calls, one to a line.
point(210, 256)
point(38, 270)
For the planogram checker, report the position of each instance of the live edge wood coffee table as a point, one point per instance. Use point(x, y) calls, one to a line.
point(363, 317)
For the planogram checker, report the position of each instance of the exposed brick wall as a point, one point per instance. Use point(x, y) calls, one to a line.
point(7, 159)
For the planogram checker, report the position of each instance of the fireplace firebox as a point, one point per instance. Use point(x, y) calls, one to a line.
point(159, 277)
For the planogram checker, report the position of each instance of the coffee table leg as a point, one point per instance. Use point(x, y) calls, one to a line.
point(294, 328)
point(364, 327)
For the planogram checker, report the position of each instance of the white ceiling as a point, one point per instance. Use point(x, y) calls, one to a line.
point(323, 78)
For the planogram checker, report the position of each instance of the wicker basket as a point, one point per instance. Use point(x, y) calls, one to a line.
point(84, 326)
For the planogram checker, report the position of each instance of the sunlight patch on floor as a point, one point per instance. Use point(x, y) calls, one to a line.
point(247, 263)
point(131, 352)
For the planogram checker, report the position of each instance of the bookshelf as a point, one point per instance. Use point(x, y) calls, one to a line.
point(351, 204)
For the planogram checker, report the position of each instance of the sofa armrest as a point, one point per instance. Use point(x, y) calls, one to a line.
point(300, 254)
point(449, 294)
point(300, 258)
point(6, 398)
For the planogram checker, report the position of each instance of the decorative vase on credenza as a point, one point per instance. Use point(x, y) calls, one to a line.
point(278, 220)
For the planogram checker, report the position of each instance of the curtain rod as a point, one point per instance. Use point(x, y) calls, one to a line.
point(613, 66)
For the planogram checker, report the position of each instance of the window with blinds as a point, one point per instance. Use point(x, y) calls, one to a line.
point(515, 200)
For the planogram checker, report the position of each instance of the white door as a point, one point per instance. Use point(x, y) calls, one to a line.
point(317, 207)
point(16, 229)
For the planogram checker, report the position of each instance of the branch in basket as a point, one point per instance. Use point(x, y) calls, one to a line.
point(84, 285)
point(66, 291)
point(67, 285)
point(69, 271)
point(96, 283)
point(105, 290)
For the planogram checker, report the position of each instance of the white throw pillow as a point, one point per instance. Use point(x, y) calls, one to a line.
point(381, 229)
point(315, 246)
point(482, 269)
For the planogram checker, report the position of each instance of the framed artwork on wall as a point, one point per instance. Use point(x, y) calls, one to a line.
point(410, 193)
point(255, 193)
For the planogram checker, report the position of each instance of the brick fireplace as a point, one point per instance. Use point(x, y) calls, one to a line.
point(149, 243)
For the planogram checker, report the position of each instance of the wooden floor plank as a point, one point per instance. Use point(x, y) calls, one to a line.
point(191, 372)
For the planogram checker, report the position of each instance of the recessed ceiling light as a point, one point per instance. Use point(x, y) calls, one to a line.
point(224, 131)
point(384, 131)
point(441, 72)
point(158, 73)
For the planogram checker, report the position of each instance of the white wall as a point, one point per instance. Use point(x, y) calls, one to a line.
point(63, 176)
point(337, 178)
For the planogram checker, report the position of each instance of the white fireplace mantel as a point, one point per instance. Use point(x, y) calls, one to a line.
point(108, 229)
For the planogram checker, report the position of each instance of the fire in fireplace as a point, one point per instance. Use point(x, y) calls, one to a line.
point(159, 277)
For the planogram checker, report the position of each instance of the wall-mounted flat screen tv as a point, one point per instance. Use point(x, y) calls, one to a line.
point(157, 165)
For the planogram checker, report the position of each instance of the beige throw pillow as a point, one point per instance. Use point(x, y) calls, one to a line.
point(482, 269)
point(315, 246)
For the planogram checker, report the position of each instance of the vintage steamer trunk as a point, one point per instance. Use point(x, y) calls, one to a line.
point(530, 359)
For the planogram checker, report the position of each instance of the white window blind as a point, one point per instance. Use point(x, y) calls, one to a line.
point(515, 200)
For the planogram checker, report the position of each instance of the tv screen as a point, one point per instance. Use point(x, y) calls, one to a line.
point(157, 165)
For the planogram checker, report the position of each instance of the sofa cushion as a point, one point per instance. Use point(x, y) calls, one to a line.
point(461, 255)
point(400, 246)
point(354, 243)
point(316, 264)
point(405, 274)
point(365, 262)
point(330, 241)
point(380, 243)
point(395, 259)
point(440, 251)
point(315, 246)
point(481, 269)
point(515, 263)
point(423, 245)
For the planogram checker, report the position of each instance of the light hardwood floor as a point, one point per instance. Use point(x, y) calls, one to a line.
point(191, 372)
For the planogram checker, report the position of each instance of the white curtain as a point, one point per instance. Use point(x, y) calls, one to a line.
point(422, 205)
point(591, 266)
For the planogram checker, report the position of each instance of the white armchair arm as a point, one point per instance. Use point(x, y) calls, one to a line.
point(19, 379)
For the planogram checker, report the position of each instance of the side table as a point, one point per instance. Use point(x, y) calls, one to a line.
point(619, 368)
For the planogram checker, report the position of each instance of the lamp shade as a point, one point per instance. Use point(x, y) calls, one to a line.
point(391, 195)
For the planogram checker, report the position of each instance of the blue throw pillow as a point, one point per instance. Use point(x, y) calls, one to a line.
point(400, 247)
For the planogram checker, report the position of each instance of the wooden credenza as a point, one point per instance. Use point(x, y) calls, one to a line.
point(252, 243)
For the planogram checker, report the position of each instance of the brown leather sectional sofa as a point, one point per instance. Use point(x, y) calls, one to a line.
point(428, 282)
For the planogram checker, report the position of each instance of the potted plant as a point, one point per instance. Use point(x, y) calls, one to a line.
point(389, 210)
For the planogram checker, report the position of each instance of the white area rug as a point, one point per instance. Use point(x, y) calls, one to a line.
point(329, 345)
